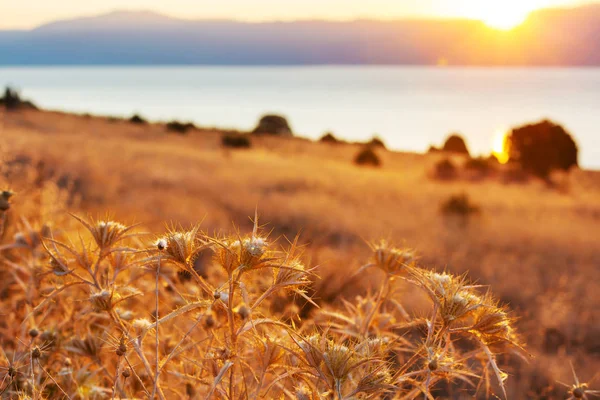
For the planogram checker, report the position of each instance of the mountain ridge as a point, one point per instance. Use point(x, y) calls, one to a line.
point(150, 38)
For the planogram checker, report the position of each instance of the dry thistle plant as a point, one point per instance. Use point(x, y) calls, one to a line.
point(105, 313)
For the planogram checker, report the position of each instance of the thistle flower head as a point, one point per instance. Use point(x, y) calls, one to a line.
point(580, 390)
point(255, 246)
point(390, 259)
point(312, 349)
point(492, 322)
point(458, 305)
point(58, 265)
point(338, 360)
point(103, 300)
point(141, 324)
point(242, 254)
point(181, 247)
point(376, 381)
point(106, 233)
point(290, 274)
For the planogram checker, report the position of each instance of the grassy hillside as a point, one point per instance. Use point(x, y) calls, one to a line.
point(537, 246)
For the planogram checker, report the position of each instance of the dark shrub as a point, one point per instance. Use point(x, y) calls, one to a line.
point(367, 157)
point(12, 100)
point(180, 127)
point(456, 144)
point(273, 125)
point(136, 119)
point(433, 149)
point(480, 166)
point(542, 147)
point(459, 205)
point(445, 169)
point(376, 142)
point(329, 138)
point(514, 173)
point(113, 119)
point(236, 141)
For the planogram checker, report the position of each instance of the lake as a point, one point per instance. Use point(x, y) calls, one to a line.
point(409, 107)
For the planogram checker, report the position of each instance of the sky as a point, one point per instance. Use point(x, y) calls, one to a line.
point(25, 14)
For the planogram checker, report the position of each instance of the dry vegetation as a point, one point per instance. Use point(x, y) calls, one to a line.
point(83, 323)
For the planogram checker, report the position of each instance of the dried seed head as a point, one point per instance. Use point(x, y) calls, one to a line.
point(182, 247)
point(303, 393)
point(5, 195)
point(339, 360)
point(59, 266)
point(492, 322)
point(376, 381)
point(312, 349)
point(102, 301)
point(33, 333)
point(458, 305)
point(36, 352)
point(244, 255)
point(243, 311)
point(291, 275)
point(579, 392)
point(433, 364)
point(141, 324)
point(390, 259)
point(228, 255)
point(126, 315)
point(209, 320)
point(161, 244)
point(126, 372)
point(184, 275)
point(121, 348)
point(107, 233)
point(255, 246)
point(67, 362)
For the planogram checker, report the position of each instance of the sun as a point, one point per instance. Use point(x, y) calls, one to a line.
point(499, 146)
point(504, 21)
point(507, 14)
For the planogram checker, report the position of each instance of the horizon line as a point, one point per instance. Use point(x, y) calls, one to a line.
point(407, 18)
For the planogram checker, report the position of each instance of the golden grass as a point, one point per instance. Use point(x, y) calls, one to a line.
point(537, 247)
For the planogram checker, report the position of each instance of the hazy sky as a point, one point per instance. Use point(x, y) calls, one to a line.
point(17, 14)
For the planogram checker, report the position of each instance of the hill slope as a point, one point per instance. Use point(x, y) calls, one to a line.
point(549, 37)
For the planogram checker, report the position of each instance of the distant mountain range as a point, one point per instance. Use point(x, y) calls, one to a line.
point(553, 37)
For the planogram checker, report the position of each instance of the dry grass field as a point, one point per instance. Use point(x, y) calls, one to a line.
point(537, 246)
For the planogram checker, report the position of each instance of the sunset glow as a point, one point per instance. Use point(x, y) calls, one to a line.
point(499, 149)
point(505, 19)
point(504, 15)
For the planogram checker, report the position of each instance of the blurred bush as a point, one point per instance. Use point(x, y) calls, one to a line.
point(273, 125)
point(136, 119)
point(328, 137)
point(376, 141)
point(542, 147)
point(456, 144)
point(179, 127)
point(367, 157)
point(13, 101)
point(445, 169)
point(459, 205)
point(236, 140)
point(480, 167)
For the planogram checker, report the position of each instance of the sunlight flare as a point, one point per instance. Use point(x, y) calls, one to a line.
point(499, 147)
point(507, 15)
